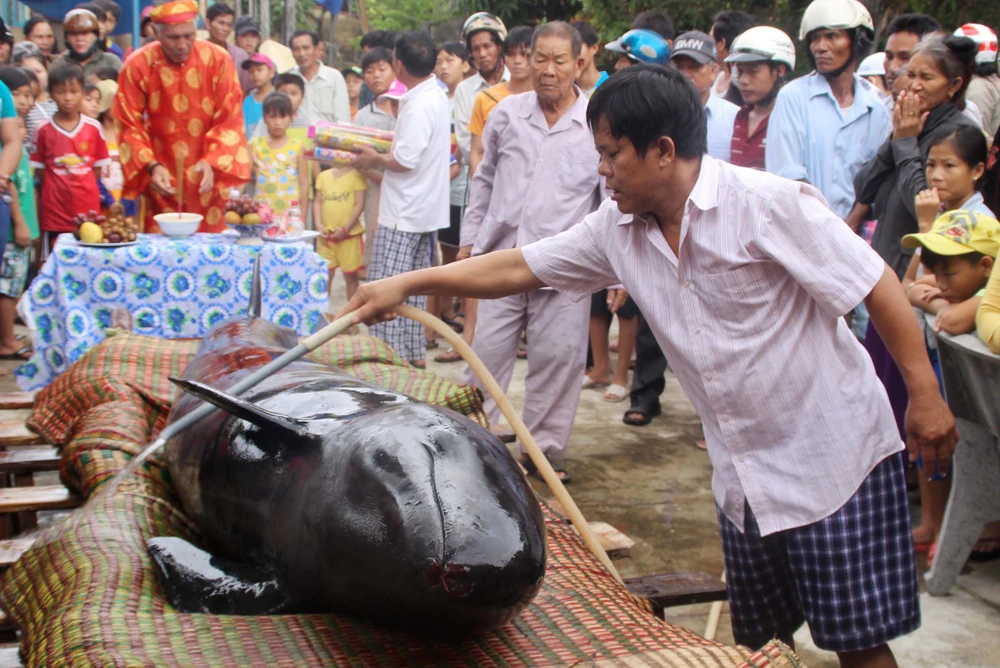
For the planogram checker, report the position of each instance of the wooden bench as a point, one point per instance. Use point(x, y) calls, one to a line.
point(670, 589)
point(23, 453)
point(15, 400)
point(15, 434)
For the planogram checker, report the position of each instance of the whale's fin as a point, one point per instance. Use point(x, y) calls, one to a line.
point(195, 581)
point(256, 295)
point(291, 429)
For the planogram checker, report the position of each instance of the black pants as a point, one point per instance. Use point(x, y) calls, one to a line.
point(648, 382)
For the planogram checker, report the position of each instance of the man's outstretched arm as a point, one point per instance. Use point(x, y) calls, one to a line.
point(489, 276)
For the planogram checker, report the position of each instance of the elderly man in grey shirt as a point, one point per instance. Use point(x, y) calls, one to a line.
point(326, 90)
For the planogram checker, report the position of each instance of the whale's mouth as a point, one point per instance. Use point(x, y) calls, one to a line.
point(453, 578)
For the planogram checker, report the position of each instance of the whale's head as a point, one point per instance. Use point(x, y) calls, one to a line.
point(424, 504)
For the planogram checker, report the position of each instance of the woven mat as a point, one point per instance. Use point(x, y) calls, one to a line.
point(85, 593)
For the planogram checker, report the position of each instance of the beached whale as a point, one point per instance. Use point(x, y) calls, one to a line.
point(318, 492)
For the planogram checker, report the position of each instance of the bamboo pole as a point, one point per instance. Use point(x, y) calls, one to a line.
point(265, 19)
point(363, 15)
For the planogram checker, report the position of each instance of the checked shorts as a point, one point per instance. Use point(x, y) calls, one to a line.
point(852, 575)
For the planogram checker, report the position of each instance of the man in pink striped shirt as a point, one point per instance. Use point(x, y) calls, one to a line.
point(744, 277)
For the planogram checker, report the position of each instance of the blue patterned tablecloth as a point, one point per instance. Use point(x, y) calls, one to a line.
point(173, 288)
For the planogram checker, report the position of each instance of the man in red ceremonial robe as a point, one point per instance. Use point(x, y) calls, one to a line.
point(179, 102)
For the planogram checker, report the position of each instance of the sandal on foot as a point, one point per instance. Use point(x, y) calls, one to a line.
point(19, 355)
point(454, 324)
point(615, 393)
point(522, 352)
point(532, 470)
point(646, 416)
point(447, 357)
point(419, 364)
point(503, 433)
point(986, 549)
point(432, 344)
point(589, 383)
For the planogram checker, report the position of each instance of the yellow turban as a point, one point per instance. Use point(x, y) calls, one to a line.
point(178, 11)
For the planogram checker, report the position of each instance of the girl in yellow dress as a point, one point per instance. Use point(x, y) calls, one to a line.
point(280, 171)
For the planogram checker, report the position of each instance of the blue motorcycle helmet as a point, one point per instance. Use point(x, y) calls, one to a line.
point(642, 46)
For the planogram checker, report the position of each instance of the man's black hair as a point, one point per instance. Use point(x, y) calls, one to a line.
point(519, 38)
point(731, 24)
point(377, 38)
point(62, 74)
point(289, 78)
point(313, 35)
point(219, 9)
point(456, 49)
point(587, 32)
point(14, 77)
point(106, 74)
point(94, 9)
point(417, 53)
point(656, 20)
point(377, 54)
point(277, 104)
point(917, 24)
point(111, 7)
point(985, 69)
point(645, 102)
point(932, 260)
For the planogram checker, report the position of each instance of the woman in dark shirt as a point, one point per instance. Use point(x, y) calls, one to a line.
point(931, 107)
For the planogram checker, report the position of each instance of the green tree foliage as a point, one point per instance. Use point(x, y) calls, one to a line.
point(400, 15)
point(525, 12)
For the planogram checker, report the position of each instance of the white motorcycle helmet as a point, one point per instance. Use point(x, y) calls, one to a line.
point(839, 15)
point(873, 65)
point(984, 38)
point(836, 14)
point(763, 44)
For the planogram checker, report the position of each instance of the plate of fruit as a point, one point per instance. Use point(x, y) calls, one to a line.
point(247, 217)
point(111, 231)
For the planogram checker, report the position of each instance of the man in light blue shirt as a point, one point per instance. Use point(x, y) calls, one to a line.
point(694, 56)
point(826, 125)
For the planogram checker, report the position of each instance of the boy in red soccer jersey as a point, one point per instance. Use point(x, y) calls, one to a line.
point(69, 153)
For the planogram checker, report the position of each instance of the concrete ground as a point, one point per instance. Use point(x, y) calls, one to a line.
point(654, 485)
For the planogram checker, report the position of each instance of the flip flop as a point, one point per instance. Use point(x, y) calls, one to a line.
point(20, 355)
point(419, 364)
point(615, 393)
point(505, 435)
point(986, 549)
point(449, 356)
point(647, 416)
point(532, 470)
point(589, 383)
point(522, 352)
point(454, 324)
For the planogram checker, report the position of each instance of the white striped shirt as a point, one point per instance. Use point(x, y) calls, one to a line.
point(748, 315)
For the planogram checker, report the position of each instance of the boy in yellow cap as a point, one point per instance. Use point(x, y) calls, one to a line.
point(958, 252)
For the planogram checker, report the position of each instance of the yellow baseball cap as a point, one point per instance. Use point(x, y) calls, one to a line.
point(959, 232)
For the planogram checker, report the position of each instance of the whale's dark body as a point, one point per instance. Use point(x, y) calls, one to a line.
point(318, 492)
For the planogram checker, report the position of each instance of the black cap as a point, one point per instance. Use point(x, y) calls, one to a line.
point(696, 45)
point(245, 24)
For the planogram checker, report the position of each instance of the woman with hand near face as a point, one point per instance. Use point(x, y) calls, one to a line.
point(927, 110)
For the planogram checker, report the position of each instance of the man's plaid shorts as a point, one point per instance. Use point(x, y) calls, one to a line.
point(852, 576)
